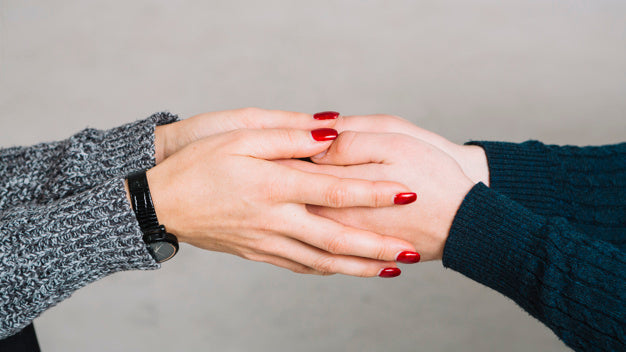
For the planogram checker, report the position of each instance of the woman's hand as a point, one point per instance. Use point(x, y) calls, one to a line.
point(437, 178)
point(471, 158)
point(175, 136)
point(222, 194)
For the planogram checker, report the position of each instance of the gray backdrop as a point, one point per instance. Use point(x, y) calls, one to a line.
point(507, 70)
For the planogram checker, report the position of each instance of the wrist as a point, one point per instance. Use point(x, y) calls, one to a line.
point(454, 200)
point(161, 244)
point(165, 141)
point(160, 142)
point(164, 203)
point(473, 161)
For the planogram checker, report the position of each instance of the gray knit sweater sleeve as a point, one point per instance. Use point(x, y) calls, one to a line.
point(51, 171)
point(65, 220)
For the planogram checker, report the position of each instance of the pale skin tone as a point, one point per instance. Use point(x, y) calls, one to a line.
point(471, 158)
point(216, 187)
point(439, 171)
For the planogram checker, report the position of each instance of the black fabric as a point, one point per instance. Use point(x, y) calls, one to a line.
point(23, 341)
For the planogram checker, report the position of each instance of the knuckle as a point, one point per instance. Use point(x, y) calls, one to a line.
point(325, 264)
point(337, 195)
point(382, 252)
point(337, 244)
point(251, 117)
point(281, 188)
point(291, 137)
point(275, 190)
point(344, 142)
point(378, 197)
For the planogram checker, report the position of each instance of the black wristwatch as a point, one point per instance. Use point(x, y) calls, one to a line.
point(161, 244)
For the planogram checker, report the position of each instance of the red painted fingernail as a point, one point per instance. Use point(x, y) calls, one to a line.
point(404, 198)
point(408, 257)
point(326, 115)
point(324, 134)
point(390, 272)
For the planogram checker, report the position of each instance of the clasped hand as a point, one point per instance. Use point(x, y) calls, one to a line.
point(230, 182)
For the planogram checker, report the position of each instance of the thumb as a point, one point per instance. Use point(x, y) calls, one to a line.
point(355, 148)
point(272, 144)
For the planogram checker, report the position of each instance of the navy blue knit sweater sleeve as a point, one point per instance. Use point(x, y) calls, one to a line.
point(573, 283)
point(585, 185)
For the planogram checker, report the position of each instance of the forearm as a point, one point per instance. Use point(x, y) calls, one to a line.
point(49, 251)
point(50, 171)
point(574, 284)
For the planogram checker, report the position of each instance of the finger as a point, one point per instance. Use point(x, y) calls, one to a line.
point(271, 144)
point(324, 262)
point(330, 191)
point(262, 118)
point(373, 124)
point(288, 264)
point(370, 172)
point(387, 124)
point(354, 148)
point(312, 168)
point(335, 238)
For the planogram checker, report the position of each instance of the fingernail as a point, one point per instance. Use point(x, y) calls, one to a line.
point(324, 134)
point(408, 257)
point(326, 115)
point(390, 272)
point(404, 198)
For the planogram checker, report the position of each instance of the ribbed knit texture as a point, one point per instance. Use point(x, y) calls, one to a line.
point(65, 220)
point(585, 185)
point(556, 248)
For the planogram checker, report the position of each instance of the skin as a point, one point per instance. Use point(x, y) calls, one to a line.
point(215, 187)
point(175, 136)
point(436, 169)
point(471, 158)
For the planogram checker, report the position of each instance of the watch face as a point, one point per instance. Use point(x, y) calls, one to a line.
point(162, 250)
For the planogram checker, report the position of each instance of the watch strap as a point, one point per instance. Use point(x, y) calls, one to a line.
point(141, 201)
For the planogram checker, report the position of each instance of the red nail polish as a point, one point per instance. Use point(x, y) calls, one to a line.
point(326, 115)
point(408, 257)
point(404, 198)
point(390, 272)
point(324, 134)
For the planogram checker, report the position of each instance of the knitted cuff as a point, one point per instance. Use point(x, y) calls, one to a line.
point(50, 171)
point(523, 172)
point(121, 150)
point(50, 251)
point(488, 240)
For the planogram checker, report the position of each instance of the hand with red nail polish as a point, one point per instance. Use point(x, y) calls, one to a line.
point(424, 217)
point(225, 193)
point(326, 115)
point(175, 136)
